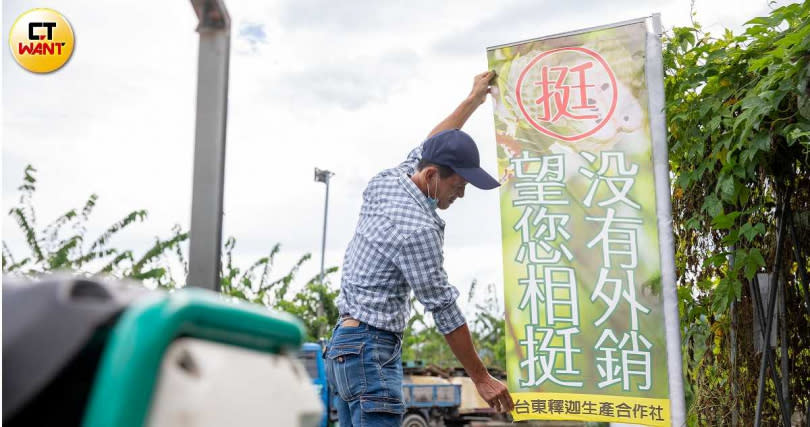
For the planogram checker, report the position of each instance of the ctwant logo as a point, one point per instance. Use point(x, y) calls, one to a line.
point(41, 40)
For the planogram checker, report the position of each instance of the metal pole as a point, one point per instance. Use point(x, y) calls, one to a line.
point(767, 351)
point(655, 82)
point(801, 265)
point(782, 297)
point(323, 238)
point(766, 359)
point(205, 238)
point(323, 176)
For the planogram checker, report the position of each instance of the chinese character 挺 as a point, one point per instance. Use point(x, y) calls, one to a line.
point(558, 93)
point(541, 353)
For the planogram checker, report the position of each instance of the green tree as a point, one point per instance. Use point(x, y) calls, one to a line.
point(63, 245)
point(255, 285)
point(738, 116)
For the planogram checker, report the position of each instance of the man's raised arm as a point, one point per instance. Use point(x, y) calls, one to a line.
point(477, 96)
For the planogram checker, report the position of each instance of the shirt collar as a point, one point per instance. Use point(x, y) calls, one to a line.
point(414, 191)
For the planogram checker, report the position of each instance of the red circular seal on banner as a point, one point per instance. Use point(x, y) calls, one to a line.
point(563, 100)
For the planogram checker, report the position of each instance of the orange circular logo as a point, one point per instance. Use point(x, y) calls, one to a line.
point(41, 40)
point(568, 93)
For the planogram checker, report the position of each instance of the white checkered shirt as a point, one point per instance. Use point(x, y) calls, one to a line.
point(397, 247)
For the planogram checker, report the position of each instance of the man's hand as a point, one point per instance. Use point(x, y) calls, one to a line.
point(491, 390)
point(480, 87)
point(494, 393)
point(477, 96)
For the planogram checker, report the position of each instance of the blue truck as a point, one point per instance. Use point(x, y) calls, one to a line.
point(425, 404)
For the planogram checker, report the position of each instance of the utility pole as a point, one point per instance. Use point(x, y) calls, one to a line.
point(205, 238)
point(323, 176)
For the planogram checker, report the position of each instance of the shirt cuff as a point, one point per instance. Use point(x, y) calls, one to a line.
point(449, 318)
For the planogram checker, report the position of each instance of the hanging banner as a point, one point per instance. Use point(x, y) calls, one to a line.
point(585, 313)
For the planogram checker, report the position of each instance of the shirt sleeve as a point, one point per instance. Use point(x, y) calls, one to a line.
point(420, 259)
point(409, 164)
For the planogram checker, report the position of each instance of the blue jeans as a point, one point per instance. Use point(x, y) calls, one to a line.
point(364, 366)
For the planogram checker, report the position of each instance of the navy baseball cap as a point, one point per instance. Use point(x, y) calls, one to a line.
point(456, 150)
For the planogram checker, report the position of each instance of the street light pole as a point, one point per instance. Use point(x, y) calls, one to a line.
point(323, 176)
point(205, 234)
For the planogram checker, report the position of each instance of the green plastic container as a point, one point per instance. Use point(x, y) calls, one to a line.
point(127, 374)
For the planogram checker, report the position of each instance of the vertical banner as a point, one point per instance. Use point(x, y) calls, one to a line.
point(585, 299)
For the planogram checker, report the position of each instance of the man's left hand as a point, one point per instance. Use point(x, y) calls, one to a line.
point(495, 394)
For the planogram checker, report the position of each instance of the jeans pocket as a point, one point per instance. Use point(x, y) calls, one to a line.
point(346, 361)
point(389, 351)
point(382, 404)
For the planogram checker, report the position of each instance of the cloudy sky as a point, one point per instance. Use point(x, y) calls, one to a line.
point(348, 86)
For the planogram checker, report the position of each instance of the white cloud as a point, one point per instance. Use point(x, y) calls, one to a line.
point(350, 83)
point(526, 19)
point(358, 16)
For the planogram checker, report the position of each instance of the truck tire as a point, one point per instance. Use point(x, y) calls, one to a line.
point(414, 420)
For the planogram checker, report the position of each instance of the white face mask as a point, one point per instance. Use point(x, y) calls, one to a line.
point(433, 202)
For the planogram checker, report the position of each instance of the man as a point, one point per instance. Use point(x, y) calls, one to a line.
point(397, 247)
